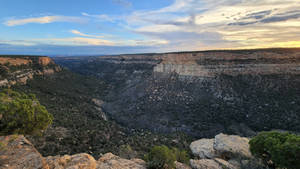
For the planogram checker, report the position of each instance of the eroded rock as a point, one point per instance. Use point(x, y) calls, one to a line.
point(77, 161)
point(205, 164)
point(231, 146)
point(179, 165)
point(203, 148)
point(16, 152)
point(110, 161)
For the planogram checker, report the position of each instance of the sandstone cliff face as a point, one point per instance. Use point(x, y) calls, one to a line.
point(19, 69)
point(16, 152)
point(212, 63)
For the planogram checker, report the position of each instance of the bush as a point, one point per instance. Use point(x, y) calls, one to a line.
point(161, 157)
point(282, 149)
point(22, 114)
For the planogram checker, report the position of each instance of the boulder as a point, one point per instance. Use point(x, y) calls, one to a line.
point(110, 161)
point(225, 164)
point(203, 148)
point(231, 146)
point(205, 164)
point(16, 152)
point(179, 165)
point(77, 161)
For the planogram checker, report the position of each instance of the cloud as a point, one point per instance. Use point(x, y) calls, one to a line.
point(81, 41)
point(44, 20)
point(101, 17)
point(123, 3)
point(76, 32)
point(191, 25)
point(222, 24)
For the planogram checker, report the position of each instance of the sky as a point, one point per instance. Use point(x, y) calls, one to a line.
point(96, 27)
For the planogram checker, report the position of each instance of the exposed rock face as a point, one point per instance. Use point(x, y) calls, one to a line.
point(205, 164)
point(224, 151)
point(190, 91)
point(76, 161)
point(14, 61)
point(179, 165)
point(44, 61)
point(110, 161)
point(19, 69)
point(203, 148)
point(16, 152)
point(232, 146)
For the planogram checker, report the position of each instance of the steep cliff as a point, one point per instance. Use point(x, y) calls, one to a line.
point(18, 69)
point(200, 93)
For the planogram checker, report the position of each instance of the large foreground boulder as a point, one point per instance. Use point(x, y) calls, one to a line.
point(222, 152)
point(77, 161)
point(110, 161)
point(16, 152)
point(231, 146)
point(203, 148)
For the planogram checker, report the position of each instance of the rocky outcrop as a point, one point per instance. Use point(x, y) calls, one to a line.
point(44, 61)
point(231, 146)
point(14, 61)
point(19, 69)
point(79, 161)
point(203, 148)
point(110, 161)
point(16, 152)
point(179, 165)
point(222, 152)
point(205, 164)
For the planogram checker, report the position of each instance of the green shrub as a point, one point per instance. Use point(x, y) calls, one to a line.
point(22, 114)
point(181, 156)
point(161, 157)
point(283, 149)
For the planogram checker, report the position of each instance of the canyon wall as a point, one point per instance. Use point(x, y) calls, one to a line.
point(208, 64)
point(200, 93)
point(19, 69)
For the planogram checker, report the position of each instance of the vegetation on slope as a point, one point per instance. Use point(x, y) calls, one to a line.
point(277, 149)
point(78, 126)
point(22, 114)
point(162, 157)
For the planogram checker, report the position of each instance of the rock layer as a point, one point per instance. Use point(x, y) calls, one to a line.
point(16, 152)
point(19, 69)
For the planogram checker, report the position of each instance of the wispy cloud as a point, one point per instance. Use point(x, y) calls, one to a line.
point(44, 20)
point(101, 17)
point(76, 32)
point(123, 3)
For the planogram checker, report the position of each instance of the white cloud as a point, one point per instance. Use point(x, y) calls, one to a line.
point(81, 41)
point(44, 20)
point(221, 24)
point(76, 32)
point(101, 17)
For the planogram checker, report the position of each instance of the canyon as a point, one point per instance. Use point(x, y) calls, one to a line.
point(125, 104)
point(199, 93)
